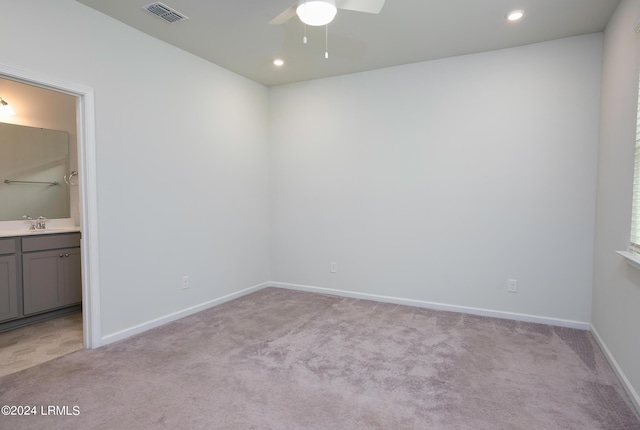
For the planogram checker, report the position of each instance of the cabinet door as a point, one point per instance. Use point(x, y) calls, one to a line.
point(73, 277)
point(8, 288)
point(42, 275)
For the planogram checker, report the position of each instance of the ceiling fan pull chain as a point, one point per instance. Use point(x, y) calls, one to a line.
point(326, 41)
point(304, 39)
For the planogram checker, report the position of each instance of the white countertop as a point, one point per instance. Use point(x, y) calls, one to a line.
point(21, 228)
point(26, 232)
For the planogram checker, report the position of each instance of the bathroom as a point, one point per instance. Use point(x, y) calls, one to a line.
point(39, 197)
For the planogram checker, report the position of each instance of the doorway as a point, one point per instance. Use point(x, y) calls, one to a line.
point(87, 195)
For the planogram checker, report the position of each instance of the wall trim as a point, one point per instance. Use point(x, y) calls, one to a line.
point(437, 306)
point(626, 384)
point(140, 328)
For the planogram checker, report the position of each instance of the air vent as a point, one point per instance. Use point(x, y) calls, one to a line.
point(165, 12)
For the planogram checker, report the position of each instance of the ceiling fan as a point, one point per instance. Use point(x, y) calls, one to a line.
point(322, 12)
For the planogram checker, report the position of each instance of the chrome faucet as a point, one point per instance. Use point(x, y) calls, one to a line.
point(32, 223)
point(41, 223)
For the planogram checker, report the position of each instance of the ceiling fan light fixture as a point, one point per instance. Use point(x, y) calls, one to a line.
point(316, 12)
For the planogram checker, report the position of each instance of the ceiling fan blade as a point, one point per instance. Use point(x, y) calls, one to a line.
point(368, 6)
point(284, 16)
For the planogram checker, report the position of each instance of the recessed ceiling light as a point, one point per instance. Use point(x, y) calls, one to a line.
point(515, 15)
point(278, 62)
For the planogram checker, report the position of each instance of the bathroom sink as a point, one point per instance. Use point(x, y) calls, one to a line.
point(26, 232)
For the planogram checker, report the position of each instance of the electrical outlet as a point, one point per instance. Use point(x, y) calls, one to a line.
point(512, 285)
point(185, 282)
point(334, 267)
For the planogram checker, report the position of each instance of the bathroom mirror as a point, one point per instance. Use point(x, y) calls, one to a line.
point(33, 165)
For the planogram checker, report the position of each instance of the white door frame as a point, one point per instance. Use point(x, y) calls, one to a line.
point(85, 120)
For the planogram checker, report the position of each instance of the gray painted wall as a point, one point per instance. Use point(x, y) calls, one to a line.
point(616, 287)
point(438, 181)
point(181, 159)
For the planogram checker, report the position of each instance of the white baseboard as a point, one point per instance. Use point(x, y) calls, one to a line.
point(131, 331)
point(123, 334)
point(626, 384)
point(438, 306)
point(633, 395)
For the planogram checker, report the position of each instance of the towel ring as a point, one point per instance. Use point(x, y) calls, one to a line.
point(68, 178)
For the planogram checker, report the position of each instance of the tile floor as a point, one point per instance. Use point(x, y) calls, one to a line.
point(28, 346)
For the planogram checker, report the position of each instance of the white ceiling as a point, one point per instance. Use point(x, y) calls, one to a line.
point(236, 34)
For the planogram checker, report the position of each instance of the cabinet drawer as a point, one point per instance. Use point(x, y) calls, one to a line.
point(50, 241)
point(7, 246)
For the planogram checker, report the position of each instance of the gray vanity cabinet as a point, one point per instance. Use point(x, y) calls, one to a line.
point(73, 277)
point(8, 280)
point(50, 272)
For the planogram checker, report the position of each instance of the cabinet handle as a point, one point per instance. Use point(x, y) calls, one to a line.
point(61, 255)
point(66, 255)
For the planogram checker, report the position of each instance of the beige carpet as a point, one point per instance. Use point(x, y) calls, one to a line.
point(31, 345)
point(280, 359)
